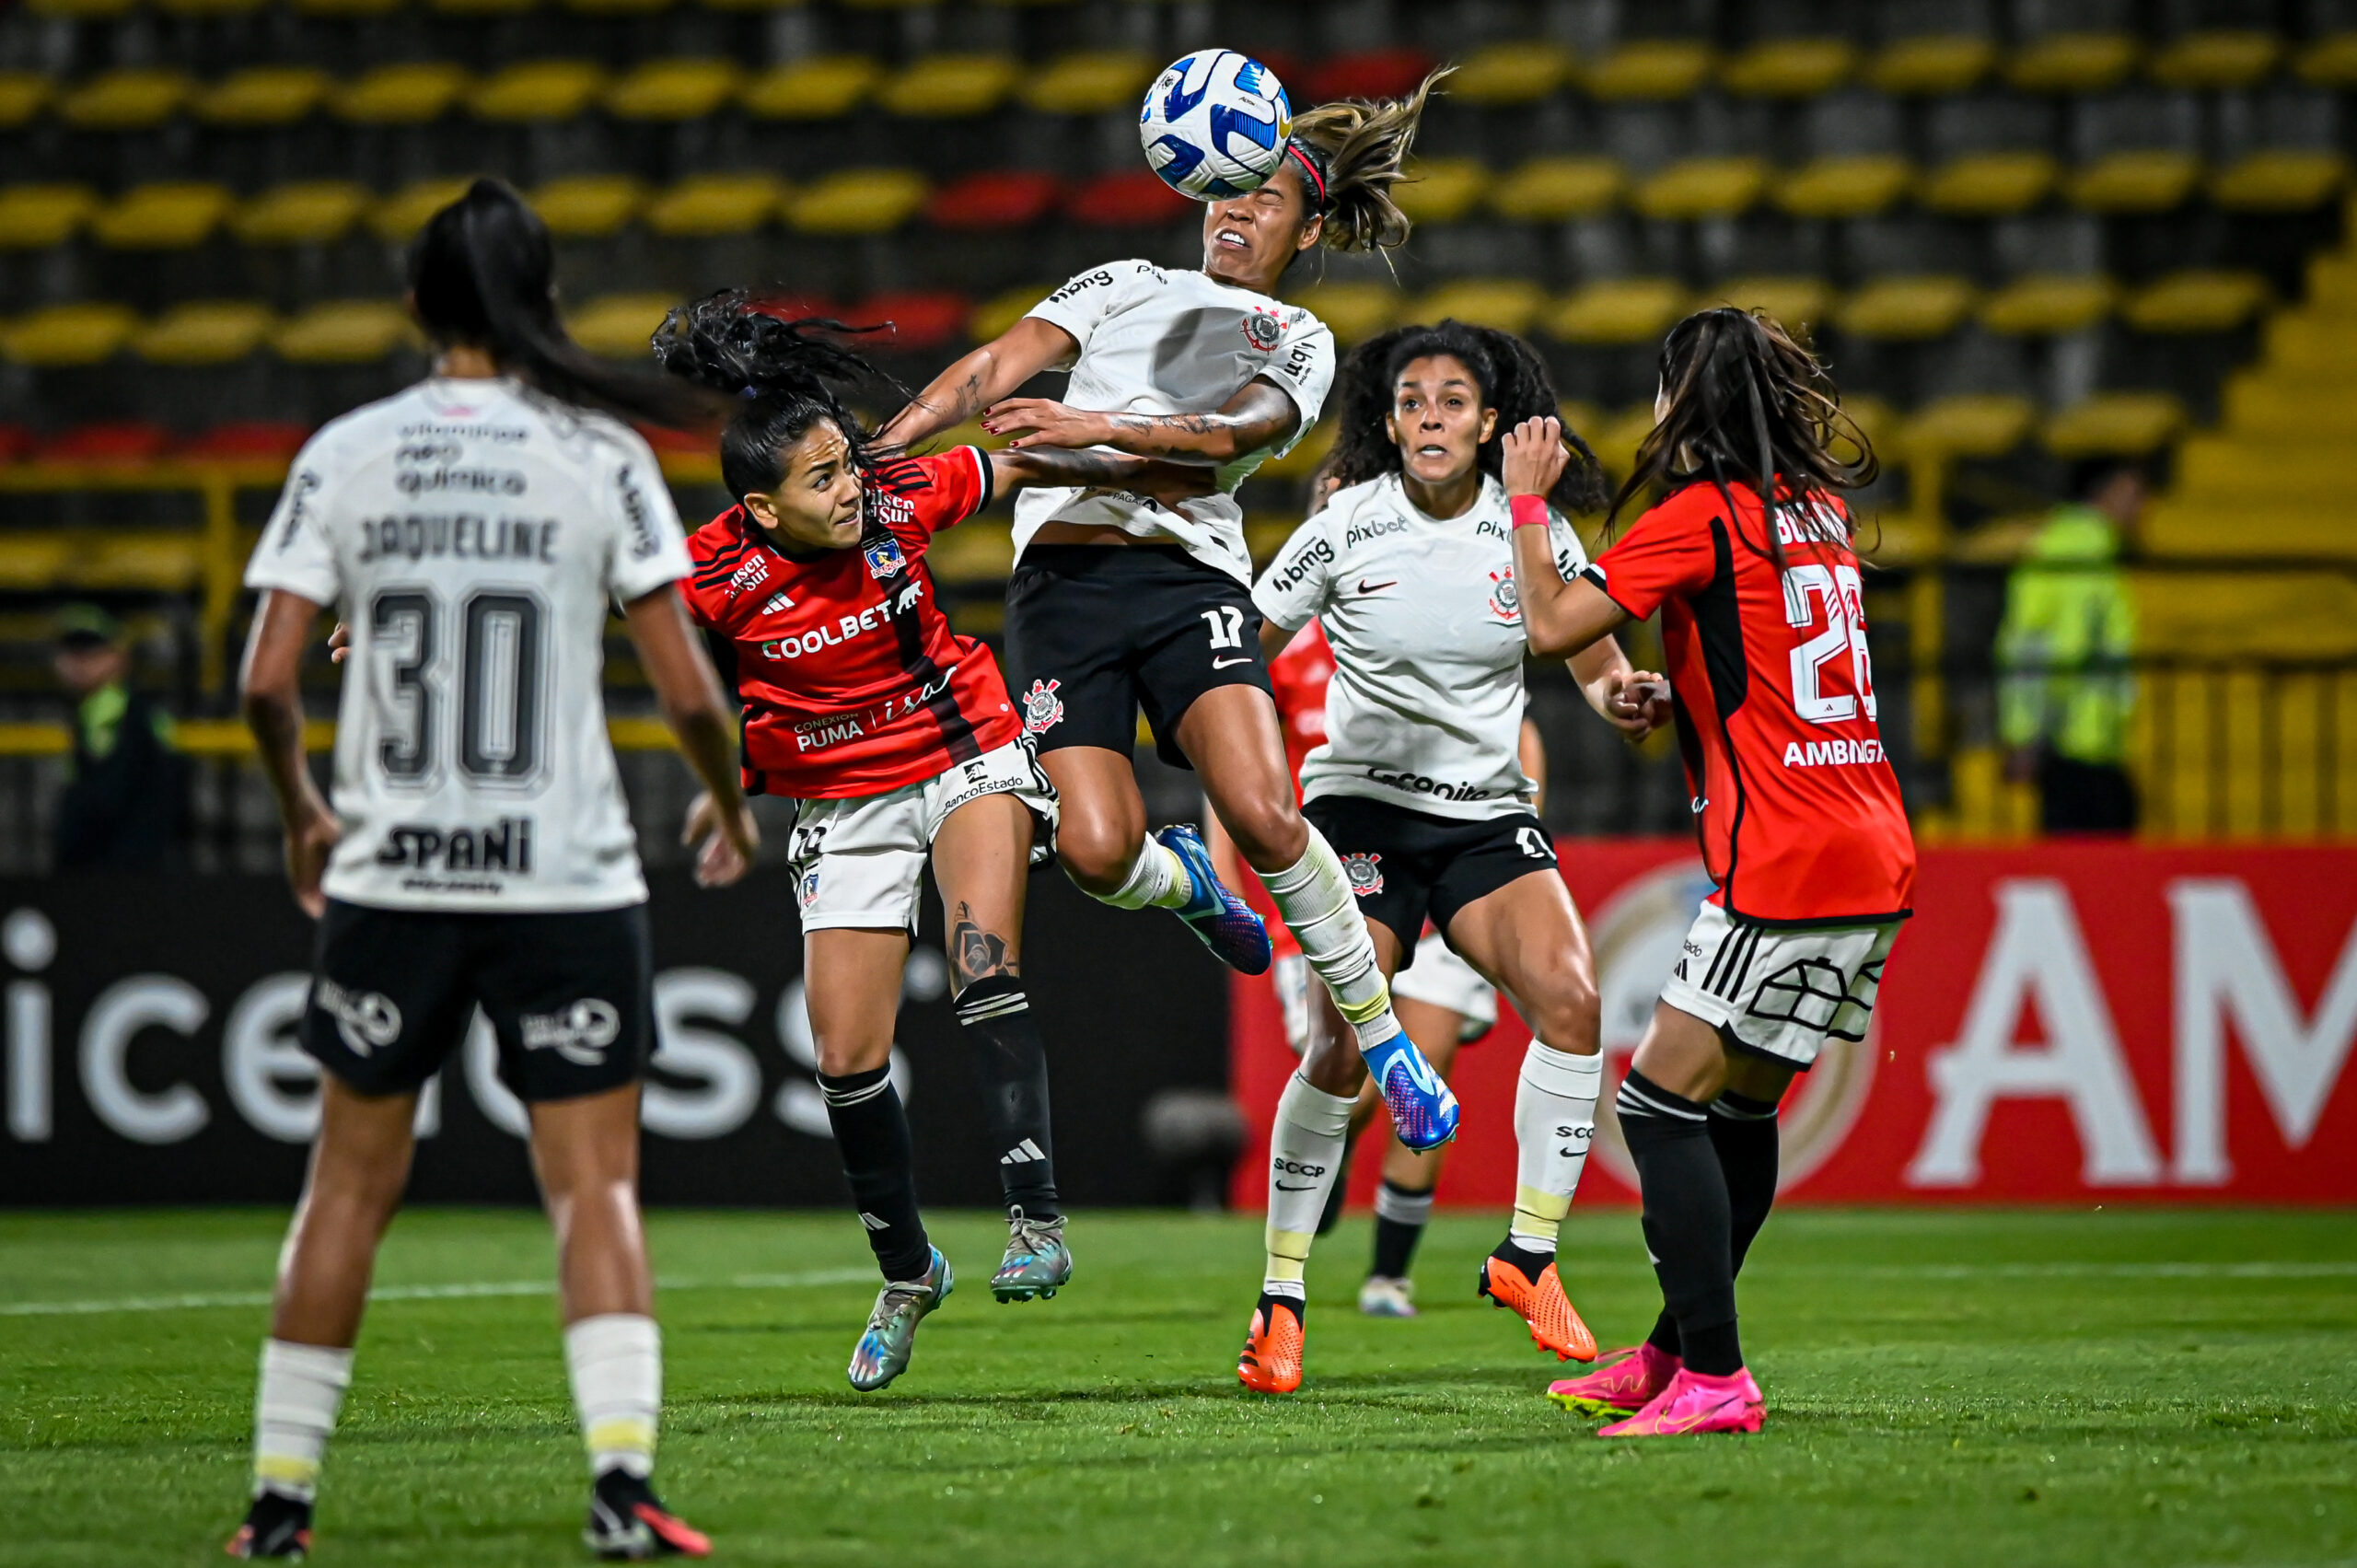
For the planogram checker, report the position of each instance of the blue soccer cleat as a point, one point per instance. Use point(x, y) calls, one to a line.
point(1423, 1110)
point(883, 1345)
point(1223, 920)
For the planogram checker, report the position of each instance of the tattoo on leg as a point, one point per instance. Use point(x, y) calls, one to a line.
point(973, 952)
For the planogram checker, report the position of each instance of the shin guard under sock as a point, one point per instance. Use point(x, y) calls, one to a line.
point(1013, 1065)
point(880, 1160)
point(1686, 1221)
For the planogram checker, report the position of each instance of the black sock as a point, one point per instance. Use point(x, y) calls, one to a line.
point(997, 1019)
point(1399, 1220)
point(1743, 1130)
point(879, 1159)
point(1686, 1222)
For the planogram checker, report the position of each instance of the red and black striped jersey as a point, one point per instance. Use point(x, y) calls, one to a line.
point(852, 681)
point(1800, 814)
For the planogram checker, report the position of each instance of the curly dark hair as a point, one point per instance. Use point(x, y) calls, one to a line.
point(1513, 379)
point(787, 375)
point(1749, 406)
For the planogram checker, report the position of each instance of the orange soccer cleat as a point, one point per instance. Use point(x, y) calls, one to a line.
point(1554, 1324)
point(1272, 1359)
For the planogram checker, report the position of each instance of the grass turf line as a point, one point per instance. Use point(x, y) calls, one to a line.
point(2118, 1388)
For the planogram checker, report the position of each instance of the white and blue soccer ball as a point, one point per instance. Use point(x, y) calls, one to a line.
point(1215, 125)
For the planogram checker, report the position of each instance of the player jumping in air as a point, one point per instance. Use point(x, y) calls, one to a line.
point(478, 850)
point(1748, 558)
point(896, 737)
point(1410, 570)
point(1117, 601)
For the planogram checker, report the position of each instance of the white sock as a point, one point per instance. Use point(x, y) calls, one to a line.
point(1554, 1119)
point(616, 1361)
point(295, 1401)
point(1320, 911)
point(1158, 879)
point(1305, 1159)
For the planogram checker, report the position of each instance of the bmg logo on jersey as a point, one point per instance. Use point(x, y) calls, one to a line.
point(505, 845)
point(1292, 571)
point(364, 1020)
point(580, 1032)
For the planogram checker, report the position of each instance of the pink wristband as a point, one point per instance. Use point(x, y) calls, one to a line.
point(1530, 511)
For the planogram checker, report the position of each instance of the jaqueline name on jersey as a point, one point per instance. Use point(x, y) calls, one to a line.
point(459, 535)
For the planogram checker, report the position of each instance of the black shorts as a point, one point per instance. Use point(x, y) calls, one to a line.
point(1406, 865)
point(1094, 632)
point(570, 994)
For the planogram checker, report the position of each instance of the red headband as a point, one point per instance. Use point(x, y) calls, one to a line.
point(1317, 180)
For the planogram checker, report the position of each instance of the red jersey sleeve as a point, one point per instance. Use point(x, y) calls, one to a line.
point(714, 552)
point(1667, 553)
point(942, 490)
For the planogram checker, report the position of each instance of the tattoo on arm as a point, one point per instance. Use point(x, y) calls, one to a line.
point(1260, 415)
point(974, 953)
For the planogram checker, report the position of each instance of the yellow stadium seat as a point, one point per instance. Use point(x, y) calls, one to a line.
point(2152, 180)
point(262, 95)
point(342, 331)
point(1852, 187)
point(538, 90)
point(1355, 311)
point(1796, 303)
point(401, 95)
point(125, 101)
point(34, 218)
point(68, 335)
point(23, 94)
point(1702, 187)
point(674, 89)
point(1973, 425)
point(313, 213)
point(2199, 527)
point(347, 10)
point(2281, 181)
point(618, 325)
point(2217, 59)
point(588, 206)
point(1651, 69)
point(996, 315)
point(2196, 300)
point(1990, 184)
point(707, 205)
point(1932, 65)
point(858, 201)
point(2128, 425)
point(1095, 81)
point(170, 216)
point(205, 331)
point(1791, 67)
point(32, 562)
point(82, 10)
point(1616, 437)
point(825, 86)
point(1907, 308)
point(980, 551)
point(1441, 189)
point(1507, 304)
point(2072, 63)
point(2223, 615)
point(1306, 454)
point(400, 215)
point(1553, 189)
point(1616, 310)
point(2330, 61)
point(950, 87)
point(1521, 72)
point(2048, 304)
point(105, 560)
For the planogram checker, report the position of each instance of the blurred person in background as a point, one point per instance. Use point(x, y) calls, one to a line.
point(2066, 685)
point(126, 791)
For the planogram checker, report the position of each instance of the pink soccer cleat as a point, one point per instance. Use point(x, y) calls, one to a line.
point(1628, 1384)
point(1695, 1403)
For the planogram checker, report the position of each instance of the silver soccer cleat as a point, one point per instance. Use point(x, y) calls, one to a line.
point(1038, 1264)
point(884, 1346)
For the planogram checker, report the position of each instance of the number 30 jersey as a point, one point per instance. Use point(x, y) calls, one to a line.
point(471, 534)
point(1799, 810)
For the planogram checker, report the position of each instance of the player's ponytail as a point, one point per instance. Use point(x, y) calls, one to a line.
point(1513, 380)
point(1749, 406)
point(786, 376)
point(482, 273)
point(1348, 155)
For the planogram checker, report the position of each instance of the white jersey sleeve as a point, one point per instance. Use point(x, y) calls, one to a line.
point(1304, 369)
point(1571, 555)
point(1292, 591)
point(649, 550)
point(297, 552)
point(1089, 298)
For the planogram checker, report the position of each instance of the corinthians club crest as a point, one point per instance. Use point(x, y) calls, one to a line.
point(1506, 602)
point(1263, 330)
point(1042, 709)
point(1365, 872)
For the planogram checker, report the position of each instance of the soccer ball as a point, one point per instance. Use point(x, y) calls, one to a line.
point(1215, 125)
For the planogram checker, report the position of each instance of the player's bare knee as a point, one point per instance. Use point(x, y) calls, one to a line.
point(1567, 1013)
point(1097, 855)
point(1269, 833)
point(842, 1058)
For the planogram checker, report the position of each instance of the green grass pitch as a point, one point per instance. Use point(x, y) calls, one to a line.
point(2109, 1387)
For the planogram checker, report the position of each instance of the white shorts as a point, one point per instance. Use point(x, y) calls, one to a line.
point(859, 863)
point(1780, 991)
point(1440, 979)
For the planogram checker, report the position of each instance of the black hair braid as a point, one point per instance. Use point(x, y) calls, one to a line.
point(1513, 379)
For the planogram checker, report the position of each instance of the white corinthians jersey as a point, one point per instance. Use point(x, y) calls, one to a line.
point(1425, 706)
point(1156, 342)
point(469, 533)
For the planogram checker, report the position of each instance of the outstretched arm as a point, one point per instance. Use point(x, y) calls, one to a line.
point(1260, 415)
point(980, 379)
point(1559, 619)
point(1169, 484)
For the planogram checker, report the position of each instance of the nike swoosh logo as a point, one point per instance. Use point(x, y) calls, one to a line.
point(1367, 588)
point(1283, 1188)
point(1687, 1424)
point(1223, 662)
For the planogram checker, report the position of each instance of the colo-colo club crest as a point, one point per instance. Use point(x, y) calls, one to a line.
point(1365, 872)
point(1042, 709)
point(884, 557)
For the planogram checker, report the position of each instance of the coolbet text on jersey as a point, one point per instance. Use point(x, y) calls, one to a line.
point(470, 533)
point(852, 680)
point(1800, 813)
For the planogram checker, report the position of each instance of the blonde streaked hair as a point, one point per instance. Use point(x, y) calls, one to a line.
point(1350, 154)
